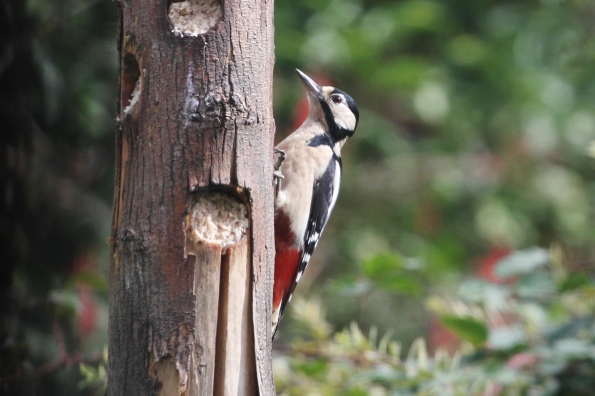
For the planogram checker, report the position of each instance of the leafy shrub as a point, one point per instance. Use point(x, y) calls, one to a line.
point(531, 334)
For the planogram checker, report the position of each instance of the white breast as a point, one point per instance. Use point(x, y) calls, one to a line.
point(303, 164)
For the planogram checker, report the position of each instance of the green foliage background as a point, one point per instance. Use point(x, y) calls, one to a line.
point(474, 136)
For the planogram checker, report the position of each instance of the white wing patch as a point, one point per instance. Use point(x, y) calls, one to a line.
point(305, 259)
point(336, 185)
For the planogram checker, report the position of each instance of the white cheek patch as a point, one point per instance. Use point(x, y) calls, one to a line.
point(344, 117)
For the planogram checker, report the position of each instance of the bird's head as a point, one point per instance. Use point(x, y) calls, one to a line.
point(333, 107)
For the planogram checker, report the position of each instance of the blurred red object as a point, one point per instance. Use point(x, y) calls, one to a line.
point(87, 314)
point(441, 337)
point(487, 264)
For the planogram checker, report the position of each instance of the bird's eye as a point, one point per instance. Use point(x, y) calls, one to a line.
point(337, 99)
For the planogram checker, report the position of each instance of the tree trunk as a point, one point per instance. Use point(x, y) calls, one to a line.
point(191, 274)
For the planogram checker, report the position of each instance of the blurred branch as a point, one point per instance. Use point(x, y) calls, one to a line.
point(65, 360)
point(52, 367)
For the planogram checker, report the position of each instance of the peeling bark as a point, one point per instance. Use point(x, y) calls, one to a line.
point(191, 317)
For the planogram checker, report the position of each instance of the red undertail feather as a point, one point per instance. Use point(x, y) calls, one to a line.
point(286, 263)
point(287, 257)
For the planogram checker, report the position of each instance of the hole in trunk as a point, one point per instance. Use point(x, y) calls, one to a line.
point(131, 83)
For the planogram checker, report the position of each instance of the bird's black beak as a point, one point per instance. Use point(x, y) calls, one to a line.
point(312, 88)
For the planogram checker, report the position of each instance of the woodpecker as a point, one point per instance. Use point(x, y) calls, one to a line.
point(308, 184)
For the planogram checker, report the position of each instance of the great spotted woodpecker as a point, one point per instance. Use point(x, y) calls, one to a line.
point(310, 174)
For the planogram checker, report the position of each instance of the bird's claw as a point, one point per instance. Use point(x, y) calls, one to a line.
point(277, 175)
point(281, 158)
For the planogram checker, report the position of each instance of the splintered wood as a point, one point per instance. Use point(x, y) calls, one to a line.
point(217, 236)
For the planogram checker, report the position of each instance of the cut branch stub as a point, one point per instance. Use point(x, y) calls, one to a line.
point(194, 17)
point(216, 218)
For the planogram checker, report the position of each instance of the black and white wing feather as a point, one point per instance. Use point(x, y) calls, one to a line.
point(325, 192)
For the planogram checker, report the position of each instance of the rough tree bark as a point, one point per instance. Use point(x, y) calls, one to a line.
point(193, 205)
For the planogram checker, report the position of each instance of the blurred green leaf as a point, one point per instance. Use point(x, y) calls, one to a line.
point(312, 367)
point(468, 328)
point(387, 271)
point(92, 376)
point(66, 301)
point(591, 149)
point(421, 14)
point(377, 267)
point(381, 375)
point(350, 286)
point(403, 284)
point(574, 281)
point(403, 73)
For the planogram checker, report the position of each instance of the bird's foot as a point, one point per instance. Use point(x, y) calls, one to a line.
point(277, 175)
point(280, 159)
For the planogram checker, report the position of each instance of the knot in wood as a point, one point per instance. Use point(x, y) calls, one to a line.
point(194, 109)
point(129, 239)
point(213, 102)
point(236, 103)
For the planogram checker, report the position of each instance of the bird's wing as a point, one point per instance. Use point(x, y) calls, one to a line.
point(325, 192)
